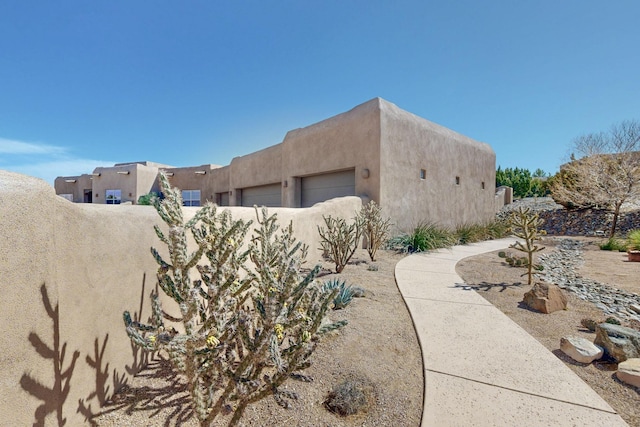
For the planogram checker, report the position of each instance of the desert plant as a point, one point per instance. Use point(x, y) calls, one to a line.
point(502, 254)
point(425, 237)
point(345, 293)
point(375, 227)
point(633, 240)
point(246, 330)
point(613, 244)
point(340, 240)
point(147, 199)
point(470, 233)
point(372, 267)
point(525, 225)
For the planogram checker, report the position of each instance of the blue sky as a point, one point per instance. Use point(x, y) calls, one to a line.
point(92, 83)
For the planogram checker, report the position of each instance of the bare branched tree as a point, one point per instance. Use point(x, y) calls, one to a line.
point(604, 171)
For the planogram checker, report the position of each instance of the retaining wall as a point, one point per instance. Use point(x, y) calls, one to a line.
point(67, 273)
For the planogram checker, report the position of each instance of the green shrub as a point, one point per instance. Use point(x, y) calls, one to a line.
point(147, 199)
point(633, 240)
point(470, 233)
point(613, 244)
point(375, 228)
point(246, 330)
point(340, 240)
point(425, 237)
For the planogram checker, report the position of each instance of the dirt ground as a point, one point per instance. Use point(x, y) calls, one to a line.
point(378, 345)
point(502, 285)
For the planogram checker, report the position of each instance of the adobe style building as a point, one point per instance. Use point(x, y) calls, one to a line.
point(416, 170)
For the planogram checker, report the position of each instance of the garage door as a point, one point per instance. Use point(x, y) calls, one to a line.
point(318, 188)
point(264, 195)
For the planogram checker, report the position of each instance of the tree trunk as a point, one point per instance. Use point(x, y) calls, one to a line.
point(614, 222)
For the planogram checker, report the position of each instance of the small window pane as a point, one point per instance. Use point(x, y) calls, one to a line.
point(423, 174)
point(113, 197)
point(190, 197)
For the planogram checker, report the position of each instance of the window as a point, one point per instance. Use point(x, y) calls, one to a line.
point(457, 180)
point(190, 197)
point(113, 197)
point(423, 174)
point(483, 185)
point(69, 197)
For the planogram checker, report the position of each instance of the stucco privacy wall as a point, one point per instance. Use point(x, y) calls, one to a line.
point(410, 144)
point(89, 263)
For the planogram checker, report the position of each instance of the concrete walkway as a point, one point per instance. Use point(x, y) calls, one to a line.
point(481, 368)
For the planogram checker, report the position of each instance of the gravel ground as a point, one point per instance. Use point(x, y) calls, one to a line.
point(378, 345)
point(502, 285)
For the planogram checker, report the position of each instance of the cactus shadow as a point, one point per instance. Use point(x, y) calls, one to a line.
point(167, 395)
point(487, 287)
point(53, 397)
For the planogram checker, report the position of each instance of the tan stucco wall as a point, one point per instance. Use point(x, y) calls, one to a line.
point(94, 262)
point(64, 185)
point(410, 143)
point(186, 178)
point(346, 141)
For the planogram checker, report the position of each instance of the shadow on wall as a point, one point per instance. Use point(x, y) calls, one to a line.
point(54, 397)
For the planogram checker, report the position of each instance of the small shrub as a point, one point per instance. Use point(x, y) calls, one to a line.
point(633, 240)
point(469, 233)
point(502, 254)
point(496, 229)
point(614, 244)
point(147, 199)
point(340, 240)
point(350, 397)
point(375, 228)
point(425, 237)
point(372, 267)
point(345, 293)
point(612, 320)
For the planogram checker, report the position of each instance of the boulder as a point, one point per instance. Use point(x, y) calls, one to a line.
point(545, 298)
point(619, 342)
point(629, 372)
point(580, 349)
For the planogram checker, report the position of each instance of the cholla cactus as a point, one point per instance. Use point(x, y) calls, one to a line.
point(247, 328)
point(375, 227)
point(340, 240)
point(524, 224)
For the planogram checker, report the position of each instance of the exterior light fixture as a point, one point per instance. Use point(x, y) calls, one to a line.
point(69, 180)
point(123, 172)
point(95, 174)
point(285, 184)
point(364, 173)
point(200, 172)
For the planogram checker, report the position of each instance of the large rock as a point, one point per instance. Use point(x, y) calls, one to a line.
point(545, 298)
point(629, 372)
point(580, 349)
point(619, 342)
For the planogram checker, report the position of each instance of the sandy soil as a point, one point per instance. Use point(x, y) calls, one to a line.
point(502, 285)
point(379, 345)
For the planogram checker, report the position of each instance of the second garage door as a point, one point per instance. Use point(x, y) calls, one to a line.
point(318, 188)
point(264, 195)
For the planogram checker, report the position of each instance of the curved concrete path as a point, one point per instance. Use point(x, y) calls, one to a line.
point(481, 368)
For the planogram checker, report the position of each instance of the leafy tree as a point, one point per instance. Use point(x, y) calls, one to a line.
point(604, 171)
point(523, 182)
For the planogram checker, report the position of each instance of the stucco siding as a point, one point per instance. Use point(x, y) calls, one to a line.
point(350, 140)
point(455, 167)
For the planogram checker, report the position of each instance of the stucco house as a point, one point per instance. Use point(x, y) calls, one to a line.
point(415, 169)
